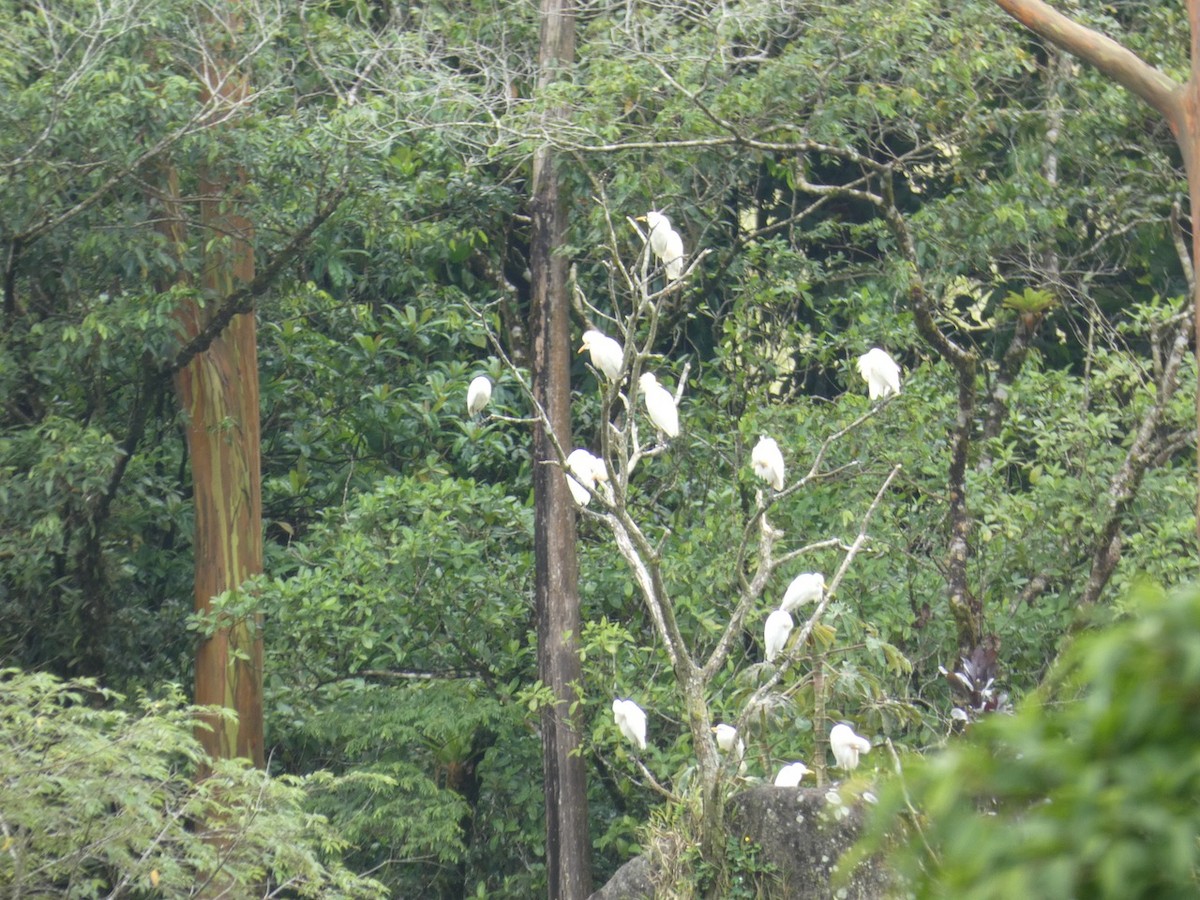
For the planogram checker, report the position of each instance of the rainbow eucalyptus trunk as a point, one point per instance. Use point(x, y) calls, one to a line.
point(219, 394)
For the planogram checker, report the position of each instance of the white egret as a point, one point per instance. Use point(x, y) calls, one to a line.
point(585, 469)
point(881, 373)
point(847, 745)
point(729, 742)
point(790, 775)
point(807, 587)
point(631, 720)
point(660, 405)
point(767, 461)
point(779, 626)
point(607, 353)
point(672, 257)
point(665, 242)
point(479, 392)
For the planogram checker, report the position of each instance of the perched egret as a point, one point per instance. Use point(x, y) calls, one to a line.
point(585, 469)
point(790, 775)
point(673, 256)
point(728, 740)
point(779, 626)
point(631, 720)
point(847, 745)
point(807, 587)
point(881, 373)
point(607, 353)
point(666, 243)
point(479, 392)
point(660, 404)
point(767, 461)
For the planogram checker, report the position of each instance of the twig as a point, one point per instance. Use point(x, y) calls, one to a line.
point(912, 810)
point(654, 784)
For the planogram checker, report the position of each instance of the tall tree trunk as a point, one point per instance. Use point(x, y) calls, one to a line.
point(568, 848)
point(218, 390)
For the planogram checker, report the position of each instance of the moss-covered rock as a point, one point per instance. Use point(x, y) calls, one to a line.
point(800, 832)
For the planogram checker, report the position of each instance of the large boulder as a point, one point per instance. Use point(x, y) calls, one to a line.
point(804, 834)
point(630, 882)
point(801, 831)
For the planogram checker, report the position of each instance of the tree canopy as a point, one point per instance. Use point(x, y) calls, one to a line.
point(920, 176)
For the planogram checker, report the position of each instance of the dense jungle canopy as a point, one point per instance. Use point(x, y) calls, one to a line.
point(351, 180)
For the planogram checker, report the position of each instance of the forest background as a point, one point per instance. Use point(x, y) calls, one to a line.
point(921, 176)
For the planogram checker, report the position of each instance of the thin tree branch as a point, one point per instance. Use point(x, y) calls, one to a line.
point(242, 300)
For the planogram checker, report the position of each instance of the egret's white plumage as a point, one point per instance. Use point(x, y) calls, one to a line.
point(666, 243)
point(767, 461)
point(583, 468)
point(779, 626)
point(673, 256)
point(807, 587)
point(631, 720)
point(607, 353)
point(847, 745)
point(479, 392)
point(881, 373)
point(657, 224)
point(660, 405)
point(728, 740)
point(790, 775)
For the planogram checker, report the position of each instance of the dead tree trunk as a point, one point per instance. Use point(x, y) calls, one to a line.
point(568, 847)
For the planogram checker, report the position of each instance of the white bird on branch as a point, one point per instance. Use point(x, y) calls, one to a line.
point(660, 405)
point(767, 461)
point(607, 353)
point(665, 242)
point(729, 742)
point(881, 373)
point(790, 775)
point(779, 626)
point(631, 720)
point(807, 587)
point(479, 392)
point(847, 745)
point(585, 469)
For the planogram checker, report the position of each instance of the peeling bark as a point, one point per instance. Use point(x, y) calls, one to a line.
point(218, 391)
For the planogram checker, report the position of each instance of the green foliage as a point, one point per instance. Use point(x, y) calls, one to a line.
point(397, 648)
point(1092, 788)
point(397, 608)
point(98, 801)
point(403, 411)
point(681, 872)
